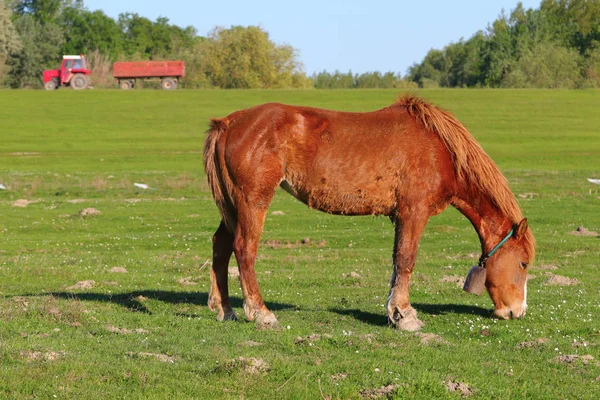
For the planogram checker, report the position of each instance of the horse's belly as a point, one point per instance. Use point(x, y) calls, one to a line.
point(345, 199)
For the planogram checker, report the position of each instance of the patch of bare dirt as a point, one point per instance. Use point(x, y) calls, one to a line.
point(461, 387)
point(561, 280)
point(547, 267)
point(250, 365)
point(581, 231)
point(187, 281)
point(250, 343)
point(384, 391)
point(160, 357)
point(528, 195)
point(140, 298)
point(118, 270)
point(312, 338)
point(531, 276)
point(31, 356)
point(132, 200)
point(124, 331)
point(573, 358)
point(431, 338)
point(338, 377)
point(352, 274)
point(89, 212)
point(83, 285)
point(532, 344)
point(76, 201)
point(277, 213)
point(233, 272)
point(287, 244)
point(21, 203)
point(458, 280)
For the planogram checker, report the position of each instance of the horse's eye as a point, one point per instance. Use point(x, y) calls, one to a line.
point(523, 265)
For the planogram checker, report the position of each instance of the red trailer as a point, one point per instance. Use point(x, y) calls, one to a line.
point(169, 72)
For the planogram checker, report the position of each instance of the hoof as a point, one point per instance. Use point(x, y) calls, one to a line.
point(266, 320)
point(405, 320)
point(227, 316)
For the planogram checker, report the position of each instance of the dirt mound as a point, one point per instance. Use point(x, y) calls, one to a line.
point(536, 343)
point(561, 281)
point(21, 203)
point(311, 338)
point(250, 365)
point(83, 285)
point(459, 280)
point(581, 231)
point(39, 356)
point(384, 391)
point(547, 267)
point(462, 388)
point(124, 331)
point(89, 212)
point(431, 338)
point(160, 357)
point(573, 358)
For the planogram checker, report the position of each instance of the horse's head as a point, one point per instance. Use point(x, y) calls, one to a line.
point(506, 279)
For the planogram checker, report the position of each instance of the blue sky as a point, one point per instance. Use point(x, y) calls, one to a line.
point(334, 35)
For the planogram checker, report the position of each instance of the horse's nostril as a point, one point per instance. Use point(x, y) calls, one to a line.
point(511, 314)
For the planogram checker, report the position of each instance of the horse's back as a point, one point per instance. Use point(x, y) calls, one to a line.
point(338, 162)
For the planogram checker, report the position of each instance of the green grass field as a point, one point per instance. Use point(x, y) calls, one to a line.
point(147, 333)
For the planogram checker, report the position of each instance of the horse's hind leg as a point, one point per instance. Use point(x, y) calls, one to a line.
point(218, 298)
point(409, 228)
point(251, 217)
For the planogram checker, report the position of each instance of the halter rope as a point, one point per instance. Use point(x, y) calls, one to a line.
point(483, 259)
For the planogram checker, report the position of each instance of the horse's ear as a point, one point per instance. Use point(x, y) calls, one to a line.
point(520, 229)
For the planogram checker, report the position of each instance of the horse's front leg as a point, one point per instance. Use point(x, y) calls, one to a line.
point(245, 246)
point(409, 228)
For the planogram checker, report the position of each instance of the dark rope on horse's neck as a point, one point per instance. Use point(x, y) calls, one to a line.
point(483, 259)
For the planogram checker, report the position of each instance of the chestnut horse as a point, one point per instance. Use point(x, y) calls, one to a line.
point(408, 161)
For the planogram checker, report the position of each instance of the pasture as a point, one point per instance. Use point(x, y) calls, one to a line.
point(114, 305)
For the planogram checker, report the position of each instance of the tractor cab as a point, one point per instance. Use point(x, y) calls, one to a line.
point(72, 71)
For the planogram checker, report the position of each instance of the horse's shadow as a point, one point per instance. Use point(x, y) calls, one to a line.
point(431, 309)
point(134, 301)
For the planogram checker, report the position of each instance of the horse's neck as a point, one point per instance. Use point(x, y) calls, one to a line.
point(491, 224)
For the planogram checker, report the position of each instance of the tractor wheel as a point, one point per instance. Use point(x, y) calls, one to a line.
point(79, 81)
point(50, 85)
point(125, 85)
point(168, 84)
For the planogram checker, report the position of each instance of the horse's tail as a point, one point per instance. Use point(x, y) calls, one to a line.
point(218, 178)
point(471, 163)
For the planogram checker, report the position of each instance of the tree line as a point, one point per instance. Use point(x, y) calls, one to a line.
point(554, 46)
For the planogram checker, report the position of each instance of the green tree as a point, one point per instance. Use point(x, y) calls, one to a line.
point(40, 49)
point(9, 37)
point(86, 31)
point(245, 57)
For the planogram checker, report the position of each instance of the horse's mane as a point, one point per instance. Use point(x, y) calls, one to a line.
point(471, 162)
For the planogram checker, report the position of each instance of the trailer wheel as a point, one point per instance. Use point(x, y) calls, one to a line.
point(79, 81)
point(50, 85)
point(126, 85)
point(168, 84)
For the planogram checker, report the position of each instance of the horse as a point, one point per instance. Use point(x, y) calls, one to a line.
point(407, 161)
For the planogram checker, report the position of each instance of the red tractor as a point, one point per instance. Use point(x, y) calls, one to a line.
point(73, 71)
